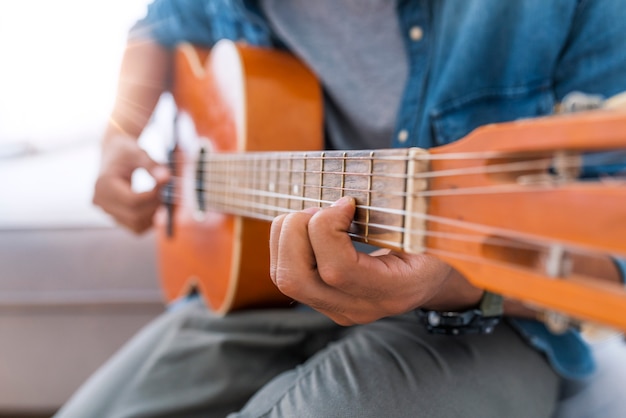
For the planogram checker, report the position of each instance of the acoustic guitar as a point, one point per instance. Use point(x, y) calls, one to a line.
point(504, 205)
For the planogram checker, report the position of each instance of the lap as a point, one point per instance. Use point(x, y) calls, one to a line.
point(394, 368)
point(190, 363)
point(298, 363)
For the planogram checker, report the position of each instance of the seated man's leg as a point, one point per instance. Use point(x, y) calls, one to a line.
point(394, 368)
point(191, 363)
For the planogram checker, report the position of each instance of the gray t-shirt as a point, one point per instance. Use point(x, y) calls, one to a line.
point(356, 50)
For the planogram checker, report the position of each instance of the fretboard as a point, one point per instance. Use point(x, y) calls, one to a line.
point(265, 185)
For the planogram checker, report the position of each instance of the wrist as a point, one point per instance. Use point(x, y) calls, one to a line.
point(456, 294)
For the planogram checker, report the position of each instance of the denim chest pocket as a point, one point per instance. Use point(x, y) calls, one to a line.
point(454, 119)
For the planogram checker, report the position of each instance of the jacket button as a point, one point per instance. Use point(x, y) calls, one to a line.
point(416, 33)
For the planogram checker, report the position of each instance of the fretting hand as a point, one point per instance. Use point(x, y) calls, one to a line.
point(314, 262)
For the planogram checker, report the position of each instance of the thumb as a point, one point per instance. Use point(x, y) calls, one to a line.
point(159, 172)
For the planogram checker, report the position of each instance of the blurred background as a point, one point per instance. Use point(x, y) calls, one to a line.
point(73, 285)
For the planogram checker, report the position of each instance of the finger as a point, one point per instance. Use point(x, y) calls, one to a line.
point(345, 269)
point(294, 269)
point(161, 174)
point(277, 224)
point(139, 217)
point(275, 236)
point(294, 259)
point(331, 243)
point(274, 261)
point(133, 210)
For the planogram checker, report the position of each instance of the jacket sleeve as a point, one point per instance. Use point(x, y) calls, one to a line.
point(202, 22)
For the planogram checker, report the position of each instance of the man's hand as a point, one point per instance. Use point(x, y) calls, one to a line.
point(314, 262)
point(121, 156)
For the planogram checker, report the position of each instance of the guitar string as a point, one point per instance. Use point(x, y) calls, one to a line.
point(536, 245)
point(223, 179)
point(222, 183)
point(362, 155)
point(215, 168)
point(365, 155)
point(231, 189)
point(269, 212)
point(542, 164)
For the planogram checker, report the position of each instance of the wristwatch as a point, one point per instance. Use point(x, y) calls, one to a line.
point(481, 320)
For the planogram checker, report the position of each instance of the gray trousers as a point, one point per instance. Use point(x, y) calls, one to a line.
point(296, 363)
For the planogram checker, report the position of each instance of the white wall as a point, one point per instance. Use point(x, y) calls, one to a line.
point(58, 67)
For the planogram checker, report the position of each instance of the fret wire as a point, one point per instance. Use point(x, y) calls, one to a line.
point(321, 178)
point(229, 192)
point(369, 196)
point(266, 174)
point(303, 182)
point(230, 189)
point(256, 177)
point(290, 185)
point(274, 183)
point(343, 175)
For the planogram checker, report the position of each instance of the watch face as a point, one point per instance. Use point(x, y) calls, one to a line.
point(433, 318)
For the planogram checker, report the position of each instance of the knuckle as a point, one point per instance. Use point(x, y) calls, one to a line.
point(332, 277)
point(284, 283)
point(295, 219)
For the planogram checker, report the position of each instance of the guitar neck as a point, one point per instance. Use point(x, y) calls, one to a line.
point(265, 185)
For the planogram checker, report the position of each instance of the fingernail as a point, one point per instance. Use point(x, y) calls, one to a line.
point(344, 201)
point(160, 172)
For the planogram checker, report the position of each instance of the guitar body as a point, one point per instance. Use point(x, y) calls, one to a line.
point(230, 100)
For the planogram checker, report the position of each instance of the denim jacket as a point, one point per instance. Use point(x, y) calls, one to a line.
point(471, 62)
